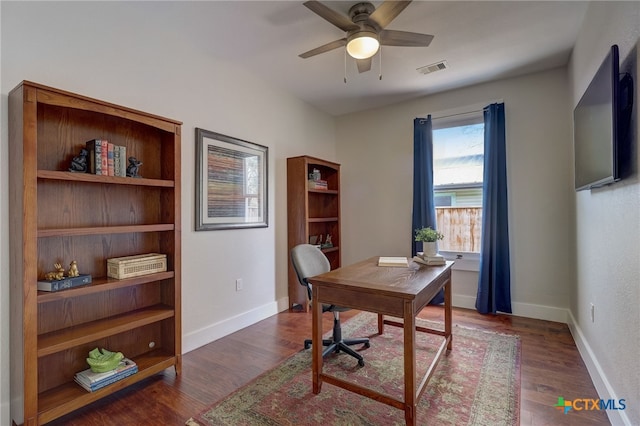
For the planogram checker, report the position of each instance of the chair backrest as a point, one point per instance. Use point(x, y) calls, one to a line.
point(308, 261)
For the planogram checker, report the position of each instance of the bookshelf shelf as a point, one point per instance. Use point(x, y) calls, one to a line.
point(98, 230)
point(311, 212)
point(69, 396)
point(86, 177)
point(69, 337)
point(322, 219)
point(59, 216)
point(330, 249)
point(324, 191)
point(100, 285)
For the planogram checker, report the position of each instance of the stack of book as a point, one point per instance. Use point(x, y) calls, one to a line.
point(64, 283)
point(106, 158)
point(318, 184)
point(91, 381)
point(437, 259)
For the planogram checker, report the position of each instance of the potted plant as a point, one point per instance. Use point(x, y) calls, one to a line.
point(429, 238)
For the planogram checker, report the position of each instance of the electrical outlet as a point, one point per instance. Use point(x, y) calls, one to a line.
point(593, 312)
point(239, 284)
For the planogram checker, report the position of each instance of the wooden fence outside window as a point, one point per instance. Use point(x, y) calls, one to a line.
point(461, 227)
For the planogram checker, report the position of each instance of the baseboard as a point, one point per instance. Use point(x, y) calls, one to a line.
point(463, 301)
point(600, 381)
point(547, 313)
point(223, 328)
point(528, 310)
point(220, 329)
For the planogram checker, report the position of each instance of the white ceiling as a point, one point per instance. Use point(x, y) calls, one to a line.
point(480, 40)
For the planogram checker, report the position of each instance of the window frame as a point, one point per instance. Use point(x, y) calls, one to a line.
point(464, 261)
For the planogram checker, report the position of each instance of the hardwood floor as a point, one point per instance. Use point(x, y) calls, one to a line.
point(550, 367)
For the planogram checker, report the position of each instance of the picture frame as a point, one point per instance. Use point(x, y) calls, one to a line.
point(231, 182)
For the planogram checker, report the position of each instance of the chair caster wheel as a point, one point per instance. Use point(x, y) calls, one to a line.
point(361, 362)
point(367, 345)
point(307, 346)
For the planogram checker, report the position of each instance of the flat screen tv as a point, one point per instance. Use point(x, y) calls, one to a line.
point(599, 126)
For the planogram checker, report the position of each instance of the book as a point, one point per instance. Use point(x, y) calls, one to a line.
point(104, 161)
point(110, 380)
point(436, 259)
point(90, 377)
point(318, 184)
point(94, 147)
point(93, 381)
point(65, 283)
point(399, 262)
point(430, 260)
point(110, 160)
point(116, 160)
point(123, 160)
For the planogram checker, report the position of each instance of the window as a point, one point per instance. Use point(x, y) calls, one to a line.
point(458, 163)
point(252, 187)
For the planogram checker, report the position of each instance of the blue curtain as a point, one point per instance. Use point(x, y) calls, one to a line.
point(424, 210)
point(494, 281)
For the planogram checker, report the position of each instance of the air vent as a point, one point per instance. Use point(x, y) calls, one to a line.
point(428, 69)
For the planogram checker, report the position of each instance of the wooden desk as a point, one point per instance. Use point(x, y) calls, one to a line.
point(398, 292)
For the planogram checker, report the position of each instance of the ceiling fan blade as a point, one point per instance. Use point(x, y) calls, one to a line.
point(404, 38)
point(364, 65)
point(339, 20)
point(387, 12)
point(324, 48)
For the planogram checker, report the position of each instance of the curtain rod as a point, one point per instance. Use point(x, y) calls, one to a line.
point(481, 109)
point(422, 120)
point(460, 113)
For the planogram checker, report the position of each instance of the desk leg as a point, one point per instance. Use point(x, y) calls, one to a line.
point(409, 364)
point(316, 341)
point(448, 314)
point(380, 323)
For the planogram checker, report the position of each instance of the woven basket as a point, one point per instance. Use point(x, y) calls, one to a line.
point(135, 266)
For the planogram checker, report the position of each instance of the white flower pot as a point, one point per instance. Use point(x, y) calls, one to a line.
point(430, 248)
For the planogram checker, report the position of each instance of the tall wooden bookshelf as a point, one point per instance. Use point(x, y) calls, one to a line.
point(60, 216)
point(311, 213)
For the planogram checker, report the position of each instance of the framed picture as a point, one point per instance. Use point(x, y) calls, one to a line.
point(231, 182)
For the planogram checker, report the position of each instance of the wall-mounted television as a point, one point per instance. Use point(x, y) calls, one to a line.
point(600, 125)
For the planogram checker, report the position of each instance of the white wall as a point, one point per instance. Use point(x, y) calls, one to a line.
point(127, 53)
point(376, 150)
point(608, 228)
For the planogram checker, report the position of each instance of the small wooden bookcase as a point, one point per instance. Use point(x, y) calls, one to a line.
point(311, 212)
point(60, 216)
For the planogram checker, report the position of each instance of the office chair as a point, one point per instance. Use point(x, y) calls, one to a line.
point(308, 261)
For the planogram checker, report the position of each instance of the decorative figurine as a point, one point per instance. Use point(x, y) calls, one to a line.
point(58, 274)
point(79, 162)
point(134, 167)
point(73, 269)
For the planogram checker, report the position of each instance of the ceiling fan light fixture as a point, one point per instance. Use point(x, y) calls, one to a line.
point(363, 44)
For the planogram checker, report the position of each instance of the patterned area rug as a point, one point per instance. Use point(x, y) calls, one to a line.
point(477, 383)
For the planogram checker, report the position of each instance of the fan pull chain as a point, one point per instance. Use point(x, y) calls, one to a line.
point(380, 64)
point(345, 66)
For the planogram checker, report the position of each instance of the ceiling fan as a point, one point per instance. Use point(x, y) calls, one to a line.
point(365, 30)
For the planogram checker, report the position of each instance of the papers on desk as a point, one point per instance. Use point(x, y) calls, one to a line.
point(397, 262)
